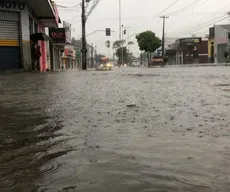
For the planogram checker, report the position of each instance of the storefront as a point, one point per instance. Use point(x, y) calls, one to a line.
point(171, 53)
point(69, 58)
point(191, 50)
point(58, 42)
point(18, 21)
point(10, 34)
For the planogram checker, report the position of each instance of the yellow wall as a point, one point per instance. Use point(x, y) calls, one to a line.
point(210, 41)
point(11, 43)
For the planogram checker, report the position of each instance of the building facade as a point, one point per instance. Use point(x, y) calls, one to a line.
point(69, 57)
point(18, 21)
point(190, 50)
point(219, 43)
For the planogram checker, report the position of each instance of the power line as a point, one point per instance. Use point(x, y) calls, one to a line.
point(204, 24)
point(163, 34)
point(174, 2)
point(189, 6)
point(94, 5)
point(211, 23)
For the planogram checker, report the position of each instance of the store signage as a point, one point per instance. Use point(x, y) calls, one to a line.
point(57, 35)
point(171, 51)
point(190, 41)
point(15, 5)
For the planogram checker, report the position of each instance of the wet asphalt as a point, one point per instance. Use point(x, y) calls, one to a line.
point(126, 130)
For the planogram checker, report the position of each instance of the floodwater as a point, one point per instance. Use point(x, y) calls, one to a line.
point(127, 130)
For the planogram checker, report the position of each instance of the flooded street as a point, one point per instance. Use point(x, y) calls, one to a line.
point(128, 130)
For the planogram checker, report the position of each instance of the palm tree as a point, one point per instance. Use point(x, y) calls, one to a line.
point(130, 43)
point(107, 44)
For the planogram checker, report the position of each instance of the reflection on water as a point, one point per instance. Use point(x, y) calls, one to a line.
point(73, 132)
point(24, 144)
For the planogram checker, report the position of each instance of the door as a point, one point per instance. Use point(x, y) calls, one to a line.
point(9, 41)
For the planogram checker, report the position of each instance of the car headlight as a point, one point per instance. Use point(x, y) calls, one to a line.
point(101, 65)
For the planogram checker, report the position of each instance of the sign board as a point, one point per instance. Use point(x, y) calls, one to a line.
point(57, 35)
point(67, 27)
point(190, 41)
point(12, 5)
point(170, 51)
point(70, 52)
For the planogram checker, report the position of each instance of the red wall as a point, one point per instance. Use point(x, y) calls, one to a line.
point(43, 59)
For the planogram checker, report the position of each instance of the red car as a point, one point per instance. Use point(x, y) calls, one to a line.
point(157, 61)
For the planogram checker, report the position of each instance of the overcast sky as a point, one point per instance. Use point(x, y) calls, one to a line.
point(190, 17)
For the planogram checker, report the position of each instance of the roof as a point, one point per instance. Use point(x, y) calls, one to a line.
point(226, 26)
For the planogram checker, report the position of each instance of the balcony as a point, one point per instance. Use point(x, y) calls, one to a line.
point(46, 12)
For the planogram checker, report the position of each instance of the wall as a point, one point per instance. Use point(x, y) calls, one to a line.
point(43, 59)
point(25, 37)
point(185, 53)
point(210, 41)
point(221, 38)
point(210, 56)
point(26, 48)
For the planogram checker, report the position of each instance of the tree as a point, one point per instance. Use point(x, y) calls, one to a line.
point(148, 41)
point(130, 43)
point(125, 54)
point(118, 44)
point(107, 44)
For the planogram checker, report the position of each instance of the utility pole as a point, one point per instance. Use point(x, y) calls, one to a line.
point(122, 46)
point(92, 50)
point(128, 47)
point(83, 39)
point(163, 35)
point(120, 30)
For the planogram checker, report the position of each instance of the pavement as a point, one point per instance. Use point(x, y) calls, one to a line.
point(126, 130)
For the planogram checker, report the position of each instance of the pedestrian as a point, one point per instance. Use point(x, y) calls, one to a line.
point(33, 55)
point(37, 58)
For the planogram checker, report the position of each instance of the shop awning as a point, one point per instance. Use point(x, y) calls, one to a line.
point(45, 12)
point(40, 37)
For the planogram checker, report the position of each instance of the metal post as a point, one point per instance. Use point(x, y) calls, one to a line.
point(122, 48)
point(163, 35)
point(92, 50)
point(84, 48)
point(120, 38)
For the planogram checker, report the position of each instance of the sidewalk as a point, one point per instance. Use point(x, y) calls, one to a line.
point(200, 65)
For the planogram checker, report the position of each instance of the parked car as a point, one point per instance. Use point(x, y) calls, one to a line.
point(136, 63)
point(157, 61)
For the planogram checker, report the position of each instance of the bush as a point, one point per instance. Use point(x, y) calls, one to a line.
point(165, 59)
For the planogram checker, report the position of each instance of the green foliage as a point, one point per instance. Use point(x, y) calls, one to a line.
point(107, 44)
point(130, 43)
point(125, 55)
point(165, 59)
point(117, 44)
point(148, 41)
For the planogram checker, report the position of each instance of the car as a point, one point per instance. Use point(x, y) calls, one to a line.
point(136, 63)
point(104, 66)
point(157, 61)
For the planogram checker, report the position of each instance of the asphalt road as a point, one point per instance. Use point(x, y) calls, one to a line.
point(127, 130)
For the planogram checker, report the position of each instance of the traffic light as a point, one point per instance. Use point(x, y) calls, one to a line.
point(125, 32)
point(229, 36)
point(108, 32)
